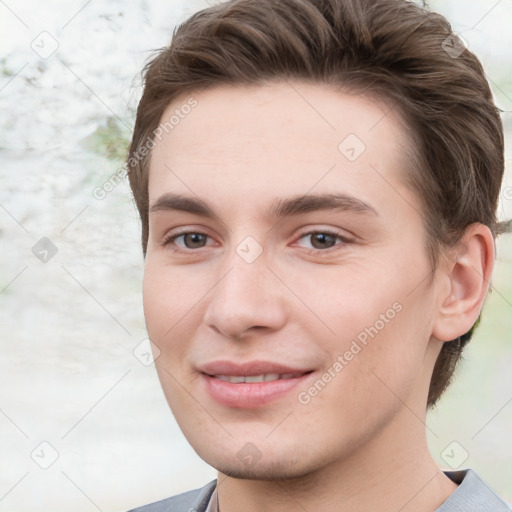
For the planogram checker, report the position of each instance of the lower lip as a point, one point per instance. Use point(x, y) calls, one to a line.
point(248, 395)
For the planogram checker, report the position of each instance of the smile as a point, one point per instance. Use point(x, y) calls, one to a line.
point(264, 377)
point(250, 384)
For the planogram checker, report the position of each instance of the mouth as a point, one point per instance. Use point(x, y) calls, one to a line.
point(264, 377)
point(252, 384)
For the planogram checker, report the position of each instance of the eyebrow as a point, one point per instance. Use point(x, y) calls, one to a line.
point(281, 207)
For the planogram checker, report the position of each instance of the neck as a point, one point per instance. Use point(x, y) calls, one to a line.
point(388, 474)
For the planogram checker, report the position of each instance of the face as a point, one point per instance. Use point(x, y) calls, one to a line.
point(287, 285)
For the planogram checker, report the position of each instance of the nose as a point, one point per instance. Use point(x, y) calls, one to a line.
point(247, 299)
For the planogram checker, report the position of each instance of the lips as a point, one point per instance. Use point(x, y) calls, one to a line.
point(251, 368)
point(251, 384)
point(264, 377)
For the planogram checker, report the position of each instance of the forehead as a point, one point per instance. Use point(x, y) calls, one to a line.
point(288, 136)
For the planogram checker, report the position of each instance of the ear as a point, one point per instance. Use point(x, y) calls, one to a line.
point(469, 273)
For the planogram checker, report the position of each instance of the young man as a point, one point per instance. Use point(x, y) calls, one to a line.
point(317, 182)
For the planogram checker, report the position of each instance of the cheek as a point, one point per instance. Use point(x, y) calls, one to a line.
point(377, 324)
point(168, 302)
point(345, 303)
point(168, 310)
point(169, 292)
point(155, 304)
point(390, 367)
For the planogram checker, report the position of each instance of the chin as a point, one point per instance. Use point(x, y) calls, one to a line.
point(262, 469)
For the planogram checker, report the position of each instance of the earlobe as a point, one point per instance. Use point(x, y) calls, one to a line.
point(469, 273)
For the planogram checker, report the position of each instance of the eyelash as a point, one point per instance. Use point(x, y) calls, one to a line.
point(168, 240)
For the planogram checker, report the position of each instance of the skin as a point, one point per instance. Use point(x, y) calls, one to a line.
point(359, 443)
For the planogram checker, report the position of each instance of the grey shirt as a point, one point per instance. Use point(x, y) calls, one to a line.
point(471, 495)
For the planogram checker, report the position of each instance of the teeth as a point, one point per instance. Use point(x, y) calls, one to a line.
point(229, 378)
point(256, 378)
point(266, 377)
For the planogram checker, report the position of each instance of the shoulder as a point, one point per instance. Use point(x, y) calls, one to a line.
point(472, 495)
point(190, 501)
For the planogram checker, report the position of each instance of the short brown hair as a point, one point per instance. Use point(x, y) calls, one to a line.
point(393, 49)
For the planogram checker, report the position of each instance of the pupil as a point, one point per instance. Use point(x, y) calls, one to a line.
point(322, 237)
point(196, 237)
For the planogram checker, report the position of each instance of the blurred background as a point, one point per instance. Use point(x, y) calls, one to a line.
point(84, 425)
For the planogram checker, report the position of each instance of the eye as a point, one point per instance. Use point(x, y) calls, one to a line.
point(321, 240)
point(192, 240)
point(324, 240)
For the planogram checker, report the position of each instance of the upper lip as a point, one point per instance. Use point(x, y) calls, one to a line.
point(249, 368)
